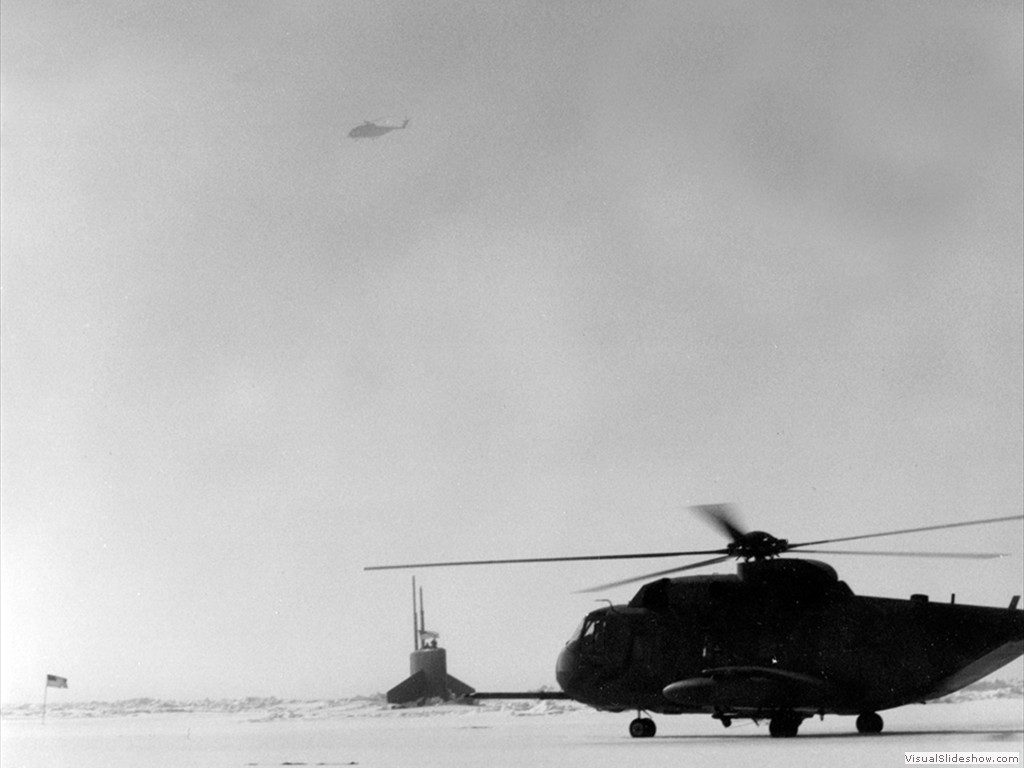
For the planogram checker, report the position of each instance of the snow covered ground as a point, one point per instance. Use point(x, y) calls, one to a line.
point(366, 732)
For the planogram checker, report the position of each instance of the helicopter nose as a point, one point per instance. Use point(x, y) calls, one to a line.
point(566, 666)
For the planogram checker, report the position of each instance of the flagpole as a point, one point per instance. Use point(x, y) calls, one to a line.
point(44, 700)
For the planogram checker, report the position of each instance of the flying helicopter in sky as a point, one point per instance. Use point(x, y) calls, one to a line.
point(781, 640)
point(372, 129)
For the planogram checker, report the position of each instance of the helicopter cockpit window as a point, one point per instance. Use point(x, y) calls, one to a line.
point(577, 633)
point(602, 636)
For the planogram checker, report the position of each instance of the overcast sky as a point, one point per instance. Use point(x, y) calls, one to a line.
point(627, 257)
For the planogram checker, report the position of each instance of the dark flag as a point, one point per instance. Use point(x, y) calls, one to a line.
point(52, 681)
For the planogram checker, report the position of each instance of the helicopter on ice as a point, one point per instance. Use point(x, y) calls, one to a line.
point(781, 640)
point(372, 129)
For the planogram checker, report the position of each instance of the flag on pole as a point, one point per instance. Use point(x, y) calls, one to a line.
point(52, 681)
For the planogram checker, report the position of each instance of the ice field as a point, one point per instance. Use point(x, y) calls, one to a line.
point(365, 732)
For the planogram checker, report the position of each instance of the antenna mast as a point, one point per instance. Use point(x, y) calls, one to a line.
point(415, 626)
point(423, 623)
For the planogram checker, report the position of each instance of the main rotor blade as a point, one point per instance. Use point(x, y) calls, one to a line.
point(723, 516)
point(956, 555)
point(908, 530)
point(640, 556)
point(646, 576)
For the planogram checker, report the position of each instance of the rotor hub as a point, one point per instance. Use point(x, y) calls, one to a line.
point(757, 545)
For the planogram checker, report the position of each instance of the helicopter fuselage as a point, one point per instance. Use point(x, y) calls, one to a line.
point(370, 130)
point(782, 635)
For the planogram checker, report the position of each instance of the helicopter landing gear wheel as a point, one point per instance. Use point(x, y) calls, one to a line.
point(784, 724)
point(869, 722)
point(642, 728)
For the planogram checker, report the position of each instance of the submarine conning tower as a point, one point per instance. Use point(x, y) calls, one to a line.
point(428, 665)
